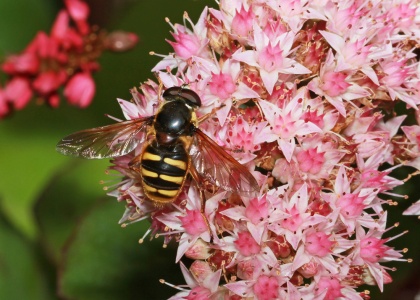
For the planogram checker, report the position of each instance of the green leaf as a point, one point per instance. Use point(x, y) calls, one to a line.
point(22, 271)
point(67, 197)
point(29, 161)
point(104, 261)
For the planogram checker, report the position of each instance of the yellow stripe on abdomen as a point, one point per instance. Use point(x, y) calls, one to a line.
point(174, 179)
point(168, 193)
point(150, 156)
point(149, 188)
point(176, 163)
point(148, 173)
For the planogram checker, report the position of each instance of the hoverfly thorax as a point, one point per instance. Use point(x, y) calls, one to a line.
point(176, 117)
point(173, 120)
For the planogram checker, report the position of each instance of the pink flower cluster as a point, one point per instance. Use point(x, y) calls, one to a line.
point(307, 92)
point(66, 57)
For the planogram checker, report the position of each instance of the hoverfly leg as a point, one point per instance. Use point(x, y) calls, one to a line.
point(199, 181)
point(208, 115)
point(134, 164)
point(203, 186)
point(160, 89)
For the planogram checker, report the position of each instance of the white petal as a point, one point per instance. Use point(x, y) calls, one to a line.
point(246, 57)
point(269, 79)
point(334, 40)
point(414, 209)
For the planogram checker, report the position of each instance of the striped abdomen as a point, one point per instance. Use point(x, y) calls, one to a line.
point(163, 171)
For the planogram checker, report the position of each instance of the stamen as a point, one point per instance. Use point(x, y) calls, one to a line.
point(113, 118)
point(398, 235)
point(144, 235)
point(124, 225)
point(187, 17)
point(112, 186)
point(170, 24)
point(157, 54)
point(168, 233)
point(178, 287)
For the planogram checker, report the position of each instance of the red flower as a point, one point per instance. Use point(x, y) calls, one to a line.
point(80, 90)
point(64, 58)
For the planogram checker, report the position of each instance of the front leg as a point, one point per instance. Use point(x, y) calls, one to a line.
point(210, 114)
point(135, 165)
point(198, 180)
point(203, 185)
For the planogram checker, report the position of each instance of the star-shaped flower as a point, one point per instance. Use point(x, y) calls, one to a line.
point(271, 57)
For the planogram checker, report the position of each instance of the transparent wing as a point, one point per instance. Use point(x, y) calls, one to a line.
point(106, 141)
point(221, 169)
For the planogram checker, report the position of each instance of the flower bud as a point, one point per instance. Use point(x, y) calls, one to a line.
point(200, 269)
point(119, 41)
point(200, 250)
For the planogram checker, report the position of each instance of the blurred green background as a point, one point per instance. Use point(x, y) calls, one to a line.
point(59, 236)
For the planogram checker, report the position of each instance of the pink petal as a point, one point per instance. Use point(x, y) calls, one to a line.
point(80, 90)
point(414, 209)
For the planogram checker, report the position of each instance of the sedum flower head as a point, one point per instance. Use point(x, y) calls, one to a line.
point(305, 92)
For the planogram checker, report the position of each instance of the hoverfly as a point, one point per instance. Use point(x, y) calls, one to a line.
point(172, 147)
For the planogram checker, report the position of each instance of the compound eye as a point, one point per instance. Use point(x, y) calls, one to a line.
point(172, 92)
point(190, 97)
